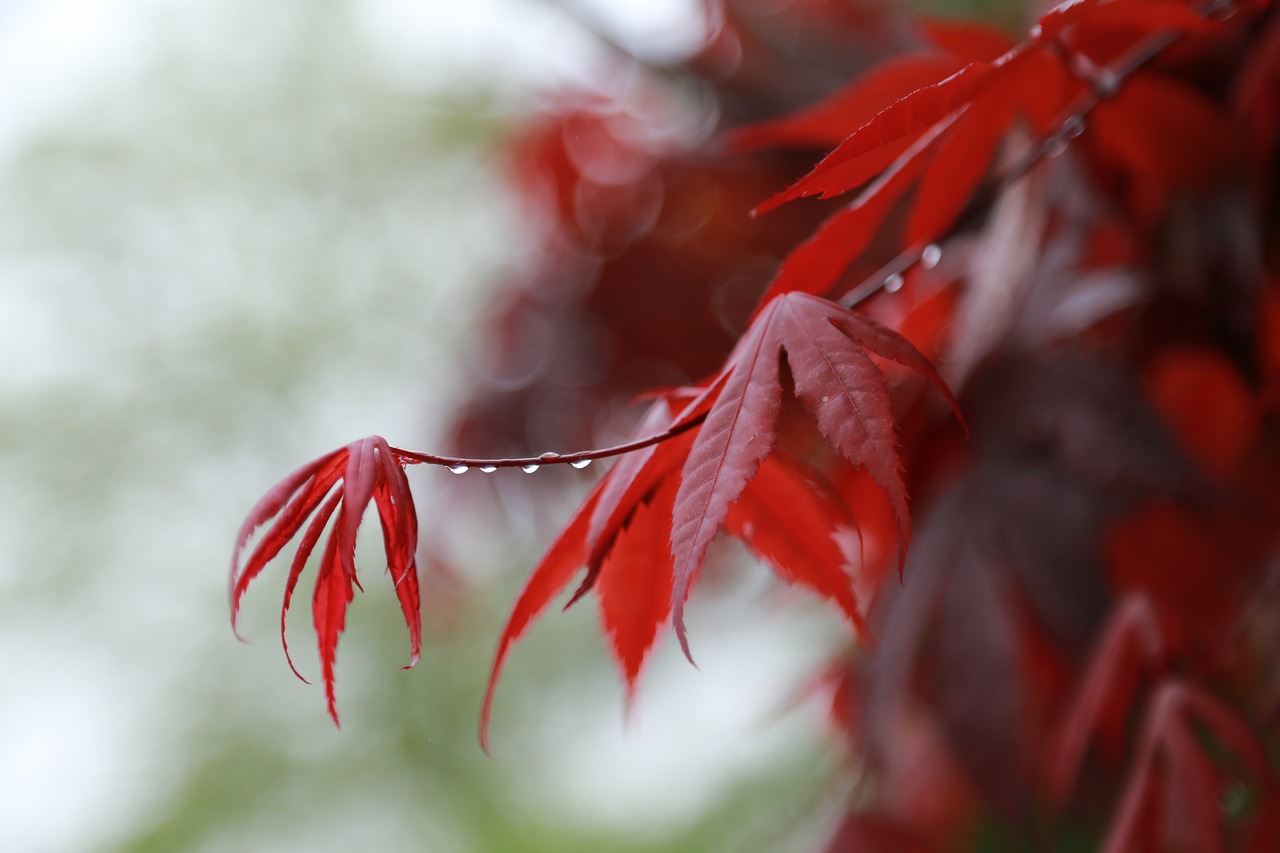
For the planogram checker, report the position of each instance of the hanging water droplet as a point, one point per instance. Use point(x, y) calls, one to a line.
point(1106, 83)
point(459, 469)
point(488, 469)
point(930, 256)
point(1057, 149)
point(893, 283)
point(580, 463)
point(1073, 128)
point(1036, 31)
point(529, 469)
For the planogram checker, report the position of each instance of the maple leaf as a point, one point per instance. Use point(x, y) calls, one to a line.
point(586, 541)
point(940, 137)
point(687, 488)
point(826, 348)
point(1061, 445)
point(1175, 806)
point(943, 137)
point(363, 471)
point(1130, 642)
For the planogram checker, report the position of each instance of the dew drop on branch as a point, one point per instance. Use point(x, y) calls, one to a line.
point(529, 469)
point(459, 469)
point(549, 456)
point(580, 463)
point(1073, 127)
point(930, 256)
point(893, 283)
point(488, 469)
point(1106, 83)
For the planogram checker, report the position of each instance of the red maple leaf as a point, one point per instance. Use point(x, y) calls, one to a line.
point(363, 471)
point(826, 348)
point(1130, 643)
point(828, 352)
point(1171, 801)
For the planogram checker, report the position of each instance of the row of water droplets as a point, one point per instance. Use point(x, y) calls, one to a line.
point(528, 468)
point(1074, 127)
point(929, 258)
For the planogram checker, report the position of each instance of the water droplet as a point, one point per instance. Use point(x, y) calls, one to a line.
point(1057, 149)
point(528, 469)
point(1073, 128)
point(1106, 83)
point(893, 283)
point(580, 463)
point(459, 469)
point(1036, 31)
point(488, 469)
point(549, 456)
point(930, 256)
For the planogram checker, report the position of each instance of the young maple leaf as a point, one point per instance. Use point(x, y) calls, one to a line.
point(363, 471)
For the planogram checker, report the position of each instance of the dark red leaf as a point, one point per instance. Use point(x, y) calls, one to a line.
point(738, 433)
point(1165, 132)
point(826, 348)
point(1128, 644)
point(1171, 800)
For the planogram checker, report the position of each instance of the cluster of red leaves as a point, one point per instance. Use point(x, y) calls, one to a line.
point(652, 516)
point(1079, 229)
point(340, 483)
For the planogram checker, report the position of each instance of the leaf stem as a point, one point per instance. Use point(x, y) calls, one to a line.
point(581, 456)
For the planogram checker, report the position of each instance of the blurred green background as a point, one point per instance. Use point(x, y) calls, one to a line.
point(235, 235)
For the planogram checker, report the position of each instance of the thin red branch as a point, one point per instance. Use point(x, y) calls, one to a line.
point(578, 459)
